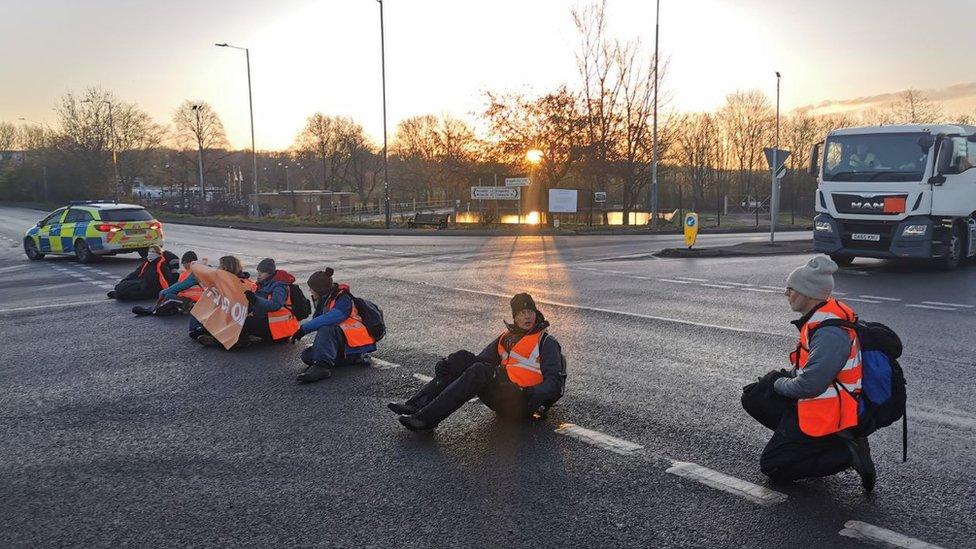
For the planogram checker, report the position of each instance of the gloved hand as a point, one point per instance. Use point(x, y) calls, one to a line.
point(773, 375)
point(298, 335)
point(251, 298)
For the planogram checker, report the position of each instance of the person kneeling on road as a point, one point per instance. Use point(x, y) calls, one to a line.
point(154, 274)
point(813, 409)
point(519, 375)
point(340, 335)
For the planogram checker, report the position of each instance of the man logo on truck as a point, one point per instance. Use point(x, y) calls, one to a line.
point(868, 205)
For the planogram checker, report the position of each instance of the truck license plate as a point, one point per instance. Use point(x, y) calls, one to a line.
point(867, 237)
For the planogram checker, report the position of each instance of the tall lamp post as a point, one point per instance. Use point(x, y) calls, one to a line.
point(250, 102)
point(657, 17)
point(43, 156)
point(774, 196)
point(203, 187)
point(115, 157)
point(386, 166)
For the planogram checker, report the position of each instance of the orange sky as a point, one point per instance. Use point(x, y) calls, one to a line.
point(310, 56)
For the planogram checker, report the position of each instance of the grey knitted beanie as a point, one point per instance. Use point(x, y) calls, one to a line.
point(815, 279)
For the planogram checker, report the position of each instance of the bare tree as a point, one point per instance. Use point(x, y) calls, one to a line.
point(9, 136)
point(697, 146)
point(747, 120)
point(914, 107)
point(199, 130)
point(435, 152)
point(329, 140)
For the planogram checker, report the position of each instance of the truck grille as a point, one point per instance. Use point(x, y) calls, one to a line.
point(849, 228)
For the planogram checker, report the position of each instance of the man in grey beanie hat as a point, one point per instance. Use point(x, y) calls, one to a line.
point(813, 409)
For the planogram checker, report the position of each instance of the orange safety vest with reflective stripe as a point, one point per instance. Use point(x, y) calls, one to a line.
point(192, 293)
point(163, 282)
point(522, 362)
point(835, 409)
point(352, 327)
point(282, 323)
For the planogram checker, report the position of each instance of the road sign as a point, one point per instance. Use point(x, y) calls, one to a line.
point(516, 181)
point(599, 196)
point(781, 157)
point(691, 228)
point(495, 193)
point(562, 200)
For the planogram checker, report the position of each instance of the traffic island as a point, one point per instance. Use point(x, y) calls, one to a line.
point(746, 249)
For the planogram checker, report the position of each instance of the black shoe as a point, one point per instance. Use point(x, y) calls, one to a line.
point(142, 311)
point(316, 372)
point(416, 424)
point(862, 462)
point(111, 295)
point(194, 334)
point(402, 409)
point(242, 343)
point(207, 340)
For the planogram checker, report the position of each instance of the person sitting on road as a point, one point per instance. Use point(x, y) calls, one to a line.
point(520, 374)
point(153, 275)
point(227, 263)
point(340, 336)
point(169, 304)
point(269, 315)
point(812, 409)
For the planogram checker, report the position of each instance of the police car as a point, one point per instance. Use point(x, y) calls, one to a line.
point(91, 229)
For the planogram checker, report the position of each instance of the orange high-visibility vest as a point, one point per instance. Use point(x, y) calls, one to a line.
point(282, 323)
point(352, 327)
point(522, 362)
point(192, 293)
point(163, 283)
point(835, 409)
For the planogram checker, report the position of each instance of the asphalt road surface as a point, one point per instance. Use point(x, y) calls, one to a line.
point(120, 431)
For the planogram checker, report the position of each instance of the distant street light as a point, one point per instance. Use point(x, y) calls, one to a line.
point(386, 166)
point(250, 102)
point(115, 159)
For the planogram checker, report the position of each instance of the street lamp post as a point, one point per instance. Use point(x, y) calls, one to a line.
point(386, 166)
point(250, 102)
point(774, 196)
point(657, 17)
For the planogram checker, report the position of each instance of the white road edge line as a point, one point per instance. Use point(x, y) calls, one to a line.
point(55, 305)
point(864, 531)
point(726, 483)
point(675, 281)
point(881, 298)
point(763, 290)
point(692, 279)
point(716, 286)
point(932, 307)
point(948, 304)
point(862, 300)
point(381, 364)
point(596, 438)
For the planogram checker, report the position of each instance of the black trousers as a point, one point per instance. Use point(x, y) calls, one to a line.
point(459, 378)
point(790, 454)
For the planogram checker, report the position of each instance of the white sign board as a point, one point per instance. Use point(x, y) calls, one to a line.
point(562, 200)
point(495, 193)
point(516, 181)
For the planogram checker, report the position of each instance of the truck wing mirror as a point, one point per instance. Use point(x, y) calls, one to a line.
point(971, 138)
point(814, 168)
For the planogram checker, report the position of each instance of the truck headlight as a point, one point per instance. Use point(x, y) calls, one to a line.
point(915, 230)
point(823, 227)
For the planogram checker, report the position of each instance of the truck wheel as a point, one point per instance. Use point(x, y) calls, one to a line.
point(842, 260)
point(954, 253)
point(82, 252)
point(30, 248)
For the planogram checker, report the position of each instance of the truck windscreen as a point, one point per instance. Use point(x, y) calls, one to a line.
point(875, 157)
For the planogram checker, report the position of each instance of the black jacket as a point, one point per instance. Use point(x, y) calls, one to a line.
point(551, 364)
point(147, 275)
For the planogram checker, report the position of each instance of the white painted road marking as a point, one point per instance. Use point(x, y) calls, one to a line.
point(726, 483)
point(675, 281)
point(861, 300)
point(942, 304)
point(717, 286)
point(692, 279)
point(55, 305)
point(422, 377)
point(12, 268)
point(864, 531)
point(596, 438)
point(932, 307)
point(881, 298)
point(763, 290)
point(381, 364)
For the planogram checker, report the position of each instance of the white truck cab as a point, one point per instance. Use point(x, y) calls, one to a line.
point(896, 192)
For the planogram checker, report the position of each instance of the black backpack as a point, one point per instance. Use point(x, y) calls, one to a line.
point(883, 399)
point(301, 307)
point(372, 317)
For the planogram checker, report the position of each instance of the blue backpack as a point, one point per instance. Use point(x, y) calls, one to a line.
point(882, 399)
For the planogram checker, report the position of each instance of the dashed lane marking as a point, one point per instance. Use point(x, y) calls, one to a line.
point(931, 307)
point(596, 438)
point(726, 483)
point(881, 298)
point(864, 531)
point(692, 279)
point(422, 377)
point(943, 304)
point(381, 364)
point(675, 281)
point(762, 290)
point(55, 306)
point(862, 300)
point(740, 284)
point(12, 268)
point(717, 286)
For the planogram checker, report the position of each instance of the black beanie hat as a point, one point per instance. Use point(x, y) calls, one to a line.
point(188, 257)
point(521, 302)
point(321, 282)
point(267, 265)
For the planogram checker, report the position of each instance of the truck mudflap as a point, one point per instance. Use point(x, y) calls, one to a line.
point(911, 238)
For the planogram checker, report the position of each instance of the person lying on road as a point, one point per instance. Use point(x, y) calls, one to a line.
point(520, 374)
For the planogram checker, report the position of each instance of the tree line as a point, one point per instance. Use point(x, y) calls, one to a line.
point(594, 135)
